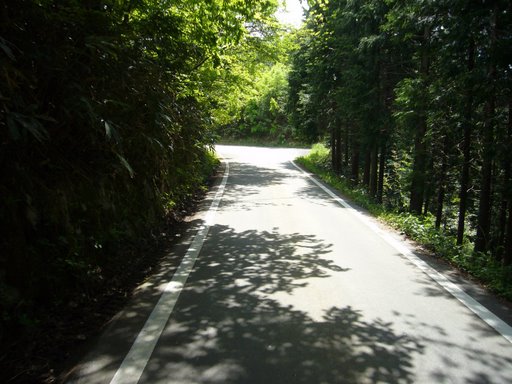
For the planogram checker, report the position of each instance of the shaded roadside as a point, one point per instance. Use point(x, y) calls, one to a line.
point(50, 348)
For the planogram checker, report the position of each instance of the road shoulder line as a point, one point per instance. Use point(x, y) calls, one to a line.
point(455, 290)
point(133, 365)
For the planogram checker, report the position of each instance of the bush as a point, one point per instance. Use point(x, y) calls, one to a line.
point(99, 141)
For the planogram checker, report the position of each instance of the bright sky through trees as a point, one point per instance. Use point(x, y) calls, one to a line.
point(292, 13)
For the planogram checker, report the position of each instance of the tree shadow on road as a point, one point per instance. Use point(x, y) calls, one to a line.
point(248, 181)
point(231, 327)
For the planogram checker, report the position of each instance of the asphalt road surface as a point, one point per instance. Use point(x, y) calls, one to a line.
point(283, 282)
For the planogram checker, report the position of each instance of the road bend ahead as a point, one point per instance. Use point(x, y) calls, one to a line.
point(285, 283)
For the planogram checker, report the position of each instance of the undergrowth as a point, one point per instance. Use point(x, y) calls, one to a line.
point(421, 229)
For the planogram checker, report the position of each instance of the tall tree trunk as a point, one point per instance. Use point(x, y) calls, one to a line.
point(336, 155)
point(335, 149)
point(420, 149)
point(506, 185)
point(346, 146)
point(354, 174)
point(367, 167)
point(374, 170)
point(502, 221)
point(418, 172)
point(441, 192)
point(429, 186)
point(382, 166)
point(485, 202)
point(386, 101)
point(466, 146)
point(338, 148)
point(507, 254)
point(483, 229)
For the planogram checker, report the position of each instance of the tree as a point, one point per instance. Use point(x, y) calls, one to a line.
point(415, 97)
point(105, 113)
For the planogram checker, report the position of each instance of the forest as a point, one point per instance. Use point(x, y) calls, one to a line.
point(414, 102)
point(110, 110)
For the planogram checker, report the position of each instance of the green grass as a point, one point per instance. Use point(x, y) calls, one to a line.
point(421, 229)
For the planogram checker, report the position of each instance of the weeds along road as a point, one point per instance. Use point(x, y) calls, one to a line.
point(283, 282)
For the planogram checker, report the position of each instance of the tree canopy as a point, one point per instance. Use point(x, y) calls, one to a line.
point(414, 98)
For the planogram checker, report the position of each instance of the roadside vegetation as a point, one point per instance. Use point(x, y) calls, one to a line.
point(413, 100)
point(413, 103)
point(107, 113)
point(254, 111)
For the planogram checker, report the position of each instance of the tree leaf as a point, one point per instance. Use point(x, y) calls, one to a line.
point(7, 50)
point(108, 130)
point(126, 165)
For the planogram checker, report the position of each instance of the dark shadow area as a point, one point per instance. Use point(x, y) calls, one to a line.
point(235, 321)
point(471, 356)
point(315, 195)
point(479, 329)
point(246, 180)
point(311, 191)
point(102, 354)
point(501, 307)
point(477, 357)
point(230, 326)
point(248, 176)
point(497, 366)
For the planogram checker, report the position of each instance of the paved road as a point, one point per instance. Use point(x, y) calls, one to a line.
point(290, 286)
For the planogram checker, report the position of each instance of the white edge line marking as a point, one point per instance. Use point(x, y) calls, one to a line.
point(474, 306)
point(137, 358)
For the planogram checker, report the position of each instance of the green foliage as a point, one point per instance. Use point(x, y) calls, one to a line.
point(319, 155)
point(414, 98)
point(482, 266)
point(256, 80)
point(105, 110)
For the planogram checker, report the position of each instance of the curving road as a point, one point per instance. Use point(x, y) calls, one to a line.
point(284, 282)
